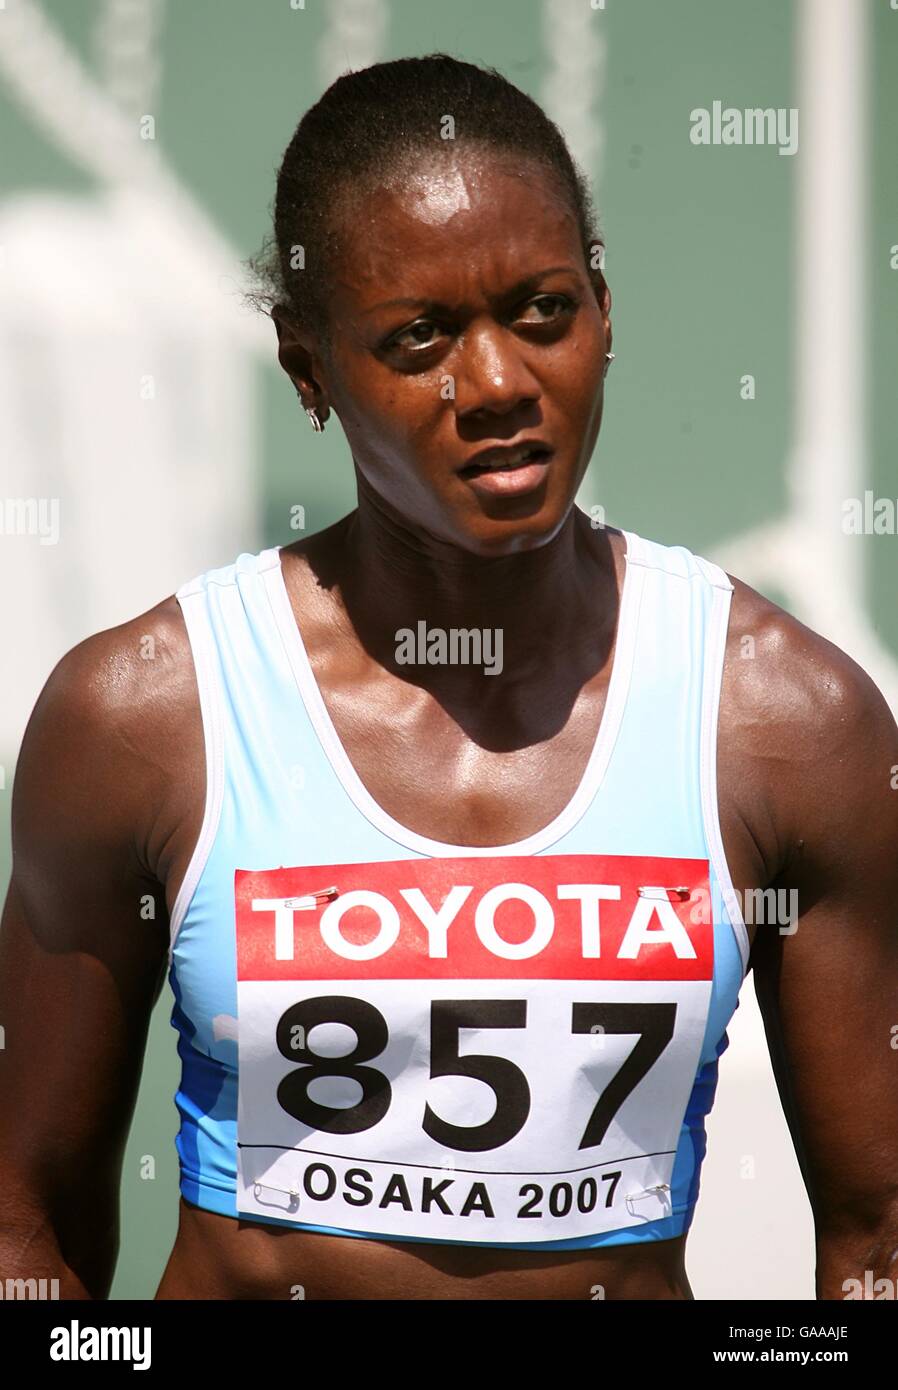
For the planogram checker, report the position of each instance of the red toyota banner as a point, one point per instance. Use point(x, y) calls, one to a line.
point(562, 916)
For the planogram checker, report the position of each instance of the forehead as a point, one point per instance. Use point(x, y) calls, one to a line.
point(449, 226)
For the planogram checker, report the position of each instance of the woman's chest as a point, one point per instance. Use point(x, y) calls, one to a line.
point(423, 772)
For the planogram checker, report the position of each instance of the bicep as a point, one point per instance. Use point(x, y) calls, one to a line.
point(827, 984)
point(82, 954)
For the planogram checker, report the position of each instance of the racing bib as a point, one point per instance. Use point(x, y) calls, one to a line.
point(476, 1049)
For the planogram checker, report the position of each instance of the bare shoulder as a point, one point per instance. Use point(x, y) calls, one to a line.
point(121, 680)
point(105, 733)
point(803, 726)
point(796, 679)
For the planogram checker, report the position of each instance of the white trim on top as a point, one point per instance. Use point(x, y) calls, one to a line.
point(192, 598)
point(715, 648)
point(594, 772)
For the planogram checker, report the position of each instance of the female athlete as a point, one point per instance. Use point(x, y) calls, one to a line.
point(442, 820)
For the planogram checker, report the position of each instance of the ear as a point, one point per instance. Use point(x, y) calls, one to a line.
point(603, 299)
point(300, 358)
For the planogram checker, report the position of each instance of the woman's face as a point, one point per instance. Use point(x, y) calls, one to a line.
point(463, 318)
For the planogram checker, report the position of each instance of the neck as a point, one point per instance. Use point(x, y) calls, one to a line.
point(555, 606)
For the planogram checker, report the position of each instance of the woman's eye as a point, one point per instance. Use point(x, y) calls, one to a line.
point(417, 336)
point(549, 307)
point(425, 333)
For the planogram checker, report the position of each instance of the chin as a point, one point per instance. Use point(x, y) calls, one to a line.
point(508, 535)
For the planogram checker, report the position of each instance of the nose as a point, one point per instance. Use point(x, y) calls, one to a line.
point(494, 377)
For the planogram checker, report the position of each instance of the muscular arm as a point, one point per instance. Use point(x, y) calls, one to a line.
point(827, 984)
point(82, 955)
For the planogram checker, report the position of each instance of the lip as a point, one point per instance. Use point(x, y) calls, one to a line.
point(510, 483)
point(513, 482)
point(498, 453)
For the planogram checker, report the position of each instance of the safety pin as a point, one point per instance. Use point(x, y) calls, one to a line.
point(291, 1192)
point(661, 1187)
point(681, 893)
point(321, 895)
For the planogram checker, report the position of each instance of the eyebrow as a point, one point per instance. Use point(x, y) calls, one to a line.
point(528, 282)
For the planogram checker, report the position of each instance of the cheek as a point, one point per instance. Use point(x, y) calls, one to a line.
point(589, 344)
point(367, 409)
point(374, 403)
point(576, 380)
point(391, 425)
point(408, 411)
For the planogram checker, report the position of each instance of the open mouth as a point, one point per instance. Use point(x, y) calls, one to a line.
point(506, 460)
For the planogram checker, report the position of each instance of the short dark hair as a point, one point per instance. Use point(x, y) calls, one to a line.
point(375, 120)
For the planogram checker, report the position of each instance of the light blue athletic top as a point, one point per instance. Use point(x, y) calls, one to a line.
point(649, 788)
